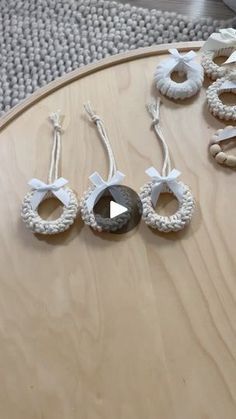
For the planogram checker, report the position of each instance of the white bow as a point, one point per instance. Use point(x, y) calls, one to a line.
point(41, 189)
point(227, 86)
point(226, 134)
point(187, 60)
point(226, 38)
point(101, 185)
point(159, 182)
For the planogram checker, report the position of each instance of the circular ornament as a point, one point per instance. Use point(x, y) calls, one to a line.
point(36, 224)
point(213, 70)
point(215, 104)
point(184, 64)
point(94, 209)
point(174, 222)
point(216, 149)
point(55, 187)
point(99, 223)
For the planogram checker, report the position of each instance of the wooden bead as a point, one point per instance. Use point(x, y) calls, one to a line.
point(215, 149)
point(231, 161)
point(221, 157)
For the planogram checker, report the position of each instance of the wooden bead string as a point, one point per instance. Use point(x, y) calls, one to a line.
point(30, 214)
point(216, 149)
point(97, 222)
point(183, 215)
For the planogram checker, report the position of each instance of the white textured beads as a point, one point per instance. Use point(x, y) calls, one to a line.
point(216, 149)
point(43, 40)
point(215, 104)
point(37, 225)
point(213, 70)
point(174, 222)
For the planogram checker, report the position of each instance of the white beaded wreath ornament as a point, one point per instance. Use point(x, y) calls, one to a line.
point(183, 64)
point(215, 104)
point(216, 150)
point(165, 183)
point(92, 195)
point(222, 44)
point(56, 187)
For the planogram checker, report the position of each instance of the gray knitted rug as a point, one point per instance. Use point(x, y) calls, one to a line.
point(41, 40)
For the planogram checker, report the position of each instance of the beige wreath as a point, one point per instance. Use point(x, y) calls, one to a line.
point(29, 210)
point(166, 183)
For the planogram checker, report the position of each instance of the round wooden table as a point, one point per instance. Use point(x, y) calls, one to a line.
point(137, 326)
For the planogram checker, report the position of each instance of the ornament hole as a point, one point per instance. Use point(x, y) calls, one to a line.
point(228, 98)
point(178, 76)
point(220, 60)
point(102, 207)
point(50, 209)
point(167, 204)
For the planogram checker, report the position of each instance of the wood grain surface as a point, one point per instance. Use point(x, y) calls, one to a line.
point(124, 327)
point(192, 8)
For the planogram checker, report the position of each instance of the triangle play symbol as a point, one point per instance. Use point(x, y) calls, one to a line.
point(116, 209)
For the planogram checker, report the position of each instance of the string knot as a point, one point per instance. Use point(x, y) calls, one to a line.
point(154, 110)
point(57, 127)
point(95, 118)
point(155, 122)
point(55, 117)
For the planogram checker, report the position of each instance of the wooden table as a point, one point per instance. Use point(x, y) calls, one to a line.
point(139, 326)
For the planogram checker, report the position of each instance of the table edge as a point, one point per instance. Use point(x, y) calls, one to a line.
point(89, 69)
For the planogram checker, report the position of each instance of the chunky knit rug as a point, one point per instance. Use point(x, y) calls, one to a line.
point(41, 40)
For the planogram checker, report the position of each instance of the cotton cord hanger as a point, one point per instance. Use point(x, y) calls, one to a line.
point(56, 148)
point(54, 188)
point(166, 182)
point(103, 135)
point(112, 184)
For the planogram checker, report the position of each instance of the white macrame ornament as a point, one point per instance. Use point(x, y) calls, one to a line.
point(56, 187)
point(183, 64)
point(165, 183)
point(99, 185)
point(215, 104)
point(222, 44)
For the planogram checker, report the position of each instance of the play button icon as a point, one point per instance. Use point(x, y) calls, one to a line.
point(116, 209)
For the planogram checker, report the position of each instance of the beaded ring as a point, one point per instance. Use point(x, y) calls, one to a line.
point(215, 147)
point(101, 187)
point(211, 69)
point(183, 64)
point(215, 104)
point(165, 183)
point(55, 188)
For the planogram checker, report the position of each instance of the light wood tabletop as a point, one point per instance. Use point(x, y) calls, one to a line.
point(125, 327)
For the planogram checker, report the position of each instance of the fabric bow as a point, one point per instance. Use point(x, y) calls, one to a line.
point(101, 185)
point(41, 189)
point(187, 60)
point(226, 134)
point(227, 86)
point(159, 182)
point(226, 38)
